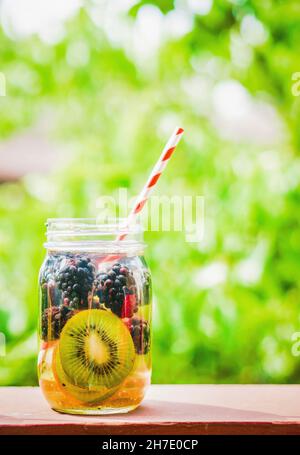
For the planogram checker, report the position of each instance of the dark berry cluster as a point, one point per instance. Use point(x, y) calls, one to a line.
point(49, 294)
point(53, 320)
point(112, 287)
point(75, 279)
point(140, 332)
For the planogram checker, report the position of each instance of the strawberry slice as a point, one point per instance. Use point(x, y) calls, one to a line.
point(128, 305)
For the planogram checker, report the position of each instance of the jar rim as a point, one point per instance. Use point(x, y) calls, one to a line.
point(109, 224)
point(94, 233)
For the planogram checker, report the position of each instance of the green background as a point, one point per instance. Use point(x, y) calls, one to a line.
point(226, 307)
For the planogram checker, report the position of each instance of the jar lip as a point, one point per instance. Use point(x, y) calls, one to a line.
point(93, 233)
point(109, 225)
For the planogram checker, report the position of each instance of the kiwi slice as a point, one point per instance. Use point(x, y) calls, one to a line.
point(96, 349)
point(91, 396)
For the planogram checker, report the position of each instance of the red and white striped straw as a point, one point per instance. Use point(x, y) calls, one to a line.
point(153, 178)
point(149, 187)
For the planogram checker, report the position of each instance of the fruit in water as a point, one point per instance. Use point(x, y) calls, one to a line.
point(75, 279)
point(140, 332)
point(66, 282)
point(129, 304)
point(53, 320)
point(112, 287)
point(49, 295)
point(45, 361)
point(89, 396)
point(96, 349)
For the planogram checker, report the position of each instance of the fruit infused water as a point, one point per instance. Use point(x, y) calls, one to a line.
point(95, 312)
point(95, 318)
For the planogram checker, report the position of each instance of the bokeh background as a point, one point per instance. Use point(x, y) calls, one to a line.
point(93, 90)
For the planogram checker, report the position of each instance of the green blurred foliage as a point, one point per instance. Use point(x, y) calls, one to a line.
point(115, 114)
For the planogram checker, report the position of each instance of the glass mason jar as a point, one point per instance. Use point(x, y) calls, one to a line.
point(95, 317)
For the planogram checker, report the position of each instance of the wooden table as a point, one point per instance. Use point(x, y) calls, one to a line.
point(168, 409)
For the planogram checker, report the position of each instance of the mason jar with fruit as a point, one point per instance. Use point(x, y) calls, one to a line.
point(95, 317)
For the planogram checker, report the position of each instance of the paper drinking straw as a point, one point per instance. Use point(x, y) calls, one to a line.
point(150, 184)
point(153, 178)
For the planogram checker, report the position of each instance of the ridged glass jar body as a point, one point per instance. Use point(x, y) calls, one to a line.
point(95, 318)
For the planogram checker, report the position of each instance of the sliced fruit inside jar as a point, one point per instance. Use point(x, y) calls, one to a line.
point(140, 332)
point(88, 396)
point(96, 349)
point(45, 360)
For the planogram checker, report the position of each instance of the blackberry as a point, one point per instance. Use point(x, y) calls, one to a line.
point(49, 294)
point(113, 288)
point(75, 279)
point(140, 332)
point(57, 318)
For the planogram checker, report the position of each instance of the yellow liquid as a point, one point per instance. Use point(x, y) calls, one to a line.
point(127, 397)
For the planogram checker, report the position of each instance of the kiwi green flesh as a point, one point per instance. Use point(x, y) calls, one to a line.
point(87, 396)
point(103, 333)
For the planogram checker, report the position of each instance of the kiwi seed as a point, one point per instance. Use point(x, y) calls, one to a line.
point(96, 349)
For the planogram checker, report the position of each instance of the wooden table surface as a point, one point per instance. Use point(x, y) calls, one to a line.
point(167, 409)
